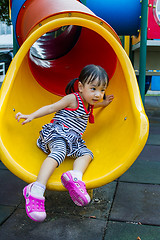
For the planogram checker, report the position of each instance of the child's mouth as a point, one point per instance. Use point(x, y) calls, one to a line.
point(95, 100)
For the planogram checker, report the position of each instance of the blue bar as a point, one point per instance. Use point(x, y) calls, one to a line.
point(16, 7)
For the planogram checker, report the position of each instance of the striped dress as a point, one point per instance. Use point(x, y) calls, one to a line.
point(68, 124)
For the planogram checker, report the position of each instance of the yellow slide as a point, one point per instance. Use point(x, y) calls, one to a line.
point(120, 130)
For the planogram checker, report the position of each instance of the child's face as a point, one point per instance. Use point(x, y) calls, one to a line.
point(91, 92)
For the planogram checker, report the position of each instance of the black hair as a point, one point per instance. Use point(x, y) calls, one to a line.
point(88, 74)
point(70, 88)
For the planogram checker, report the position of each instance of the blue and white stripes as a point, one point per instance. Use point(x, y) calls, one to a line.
point(63, 136)
point(74, 118)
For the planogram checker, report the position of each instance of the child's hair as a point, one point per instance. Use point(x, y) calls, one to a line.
point(88, 74)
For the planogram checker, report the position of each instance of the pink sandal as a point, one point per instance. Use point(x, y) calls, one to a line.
point(34, 206)
point(76, 188)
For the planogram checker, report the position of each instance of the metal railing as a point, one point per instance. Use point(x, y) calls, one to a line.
point(2, 68)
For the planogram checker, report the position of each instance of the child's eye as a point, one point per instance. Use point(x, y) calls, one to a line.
point(93, 88)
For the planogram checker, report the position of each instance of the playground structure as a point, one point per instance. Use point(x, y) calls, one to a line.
point(38, 75)
point(116, 16)
point(153, 46)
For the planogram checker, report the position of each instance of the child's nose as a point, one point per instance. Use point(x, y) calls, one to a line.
point(97, 94)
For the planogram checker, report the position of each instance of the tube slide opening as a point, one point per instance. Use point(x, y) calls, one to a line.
point(54, 66)
point(56, 43)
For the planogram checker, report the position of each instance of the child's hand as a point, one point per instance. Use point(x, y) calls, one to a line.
point(107, 100)
point(28, 118)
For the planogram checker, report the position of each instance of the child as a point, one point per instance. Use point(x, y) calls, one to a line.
point(63, 137)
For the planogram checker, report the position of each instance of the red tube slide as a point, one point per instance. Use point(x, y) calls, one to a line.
point(59, 55)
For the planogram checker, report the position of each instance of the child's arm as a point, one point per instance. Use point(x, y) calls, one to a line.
point(67, 101)
point(105, 102)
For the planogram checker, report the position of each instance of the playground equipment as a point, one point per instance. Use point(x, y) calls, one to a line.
point(153, 20)
point(123, 16)
point(152, 63)
point(38, 75)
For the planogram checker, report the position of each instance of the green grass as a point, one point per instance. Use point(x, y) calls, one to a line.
point(155, 95)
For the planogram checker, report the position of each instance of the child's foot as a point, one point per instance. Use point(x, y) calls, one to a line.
point(76, 188)
point(35, 208)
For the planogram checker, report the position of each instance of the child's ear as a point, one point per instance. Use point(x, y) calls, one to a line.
point(80, 86)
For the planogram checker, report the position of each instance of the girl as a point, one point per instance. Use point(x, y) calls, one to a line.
point(63, 136)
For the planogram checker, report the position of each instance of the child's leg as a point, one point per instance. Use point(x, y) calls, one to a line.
point(54, 159)
point(81, 163)
point(72, 180)
point(33, 193)
point(47, 168)
point(83, 158)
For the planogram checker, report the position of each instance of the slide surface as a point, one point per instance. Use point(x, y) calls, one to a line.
point(120, 130)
